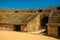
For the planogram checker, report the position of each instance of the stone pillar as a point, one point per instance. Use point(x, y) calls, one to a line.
point(23, 27)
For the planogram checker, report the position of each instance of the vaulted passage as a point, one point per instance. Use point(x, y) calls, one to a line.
point(59, 31)
point(17, 28)
point(44, 21)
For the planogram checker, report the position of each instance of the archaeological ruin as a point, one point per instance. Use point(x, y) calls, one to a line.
point(31, 20)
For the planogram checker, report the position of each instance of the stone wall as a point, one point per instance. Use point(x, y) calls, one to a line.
point(5, 27)
point(23, 27)
point(53, 29)
point(34, 25)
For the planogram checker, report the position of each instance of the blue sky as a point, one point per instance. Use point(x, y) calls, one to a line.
point(28, 3)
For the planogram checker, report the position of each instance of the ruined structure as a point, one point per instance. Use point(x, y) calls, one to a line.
point(54, 23)
point(30, 20)
point(19, 20)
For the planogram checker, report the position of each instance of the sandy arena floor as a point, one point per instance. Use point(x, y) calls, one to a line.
point(8, 35)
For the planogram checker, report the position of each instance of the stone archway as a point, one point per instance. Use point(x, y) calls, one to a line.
point(44, 21)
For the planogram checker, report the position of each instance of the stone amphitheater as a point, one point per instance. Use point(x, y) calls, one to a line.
point(31, 20)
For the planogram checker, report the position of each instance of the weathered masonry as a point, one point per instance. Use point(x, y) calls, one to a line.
point(31, 20)
point(19, 20)
point(54, 23)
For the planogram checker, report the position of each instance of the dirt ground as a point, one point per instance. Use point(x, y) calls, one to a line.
point(10, 35)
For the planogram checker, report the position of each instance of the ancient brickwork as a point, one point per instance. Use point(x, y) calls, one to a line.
point(34, 25)
point(54, 23)
point(5, 27)
point(31, 20)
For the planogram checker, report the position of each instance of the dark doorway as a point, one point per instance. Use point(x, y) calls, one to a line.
point(44, 21)
point(59, 31)
point(17, 27)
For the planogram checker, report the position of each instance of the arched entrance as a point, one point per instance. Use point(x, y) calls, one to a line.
point(44, 21)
